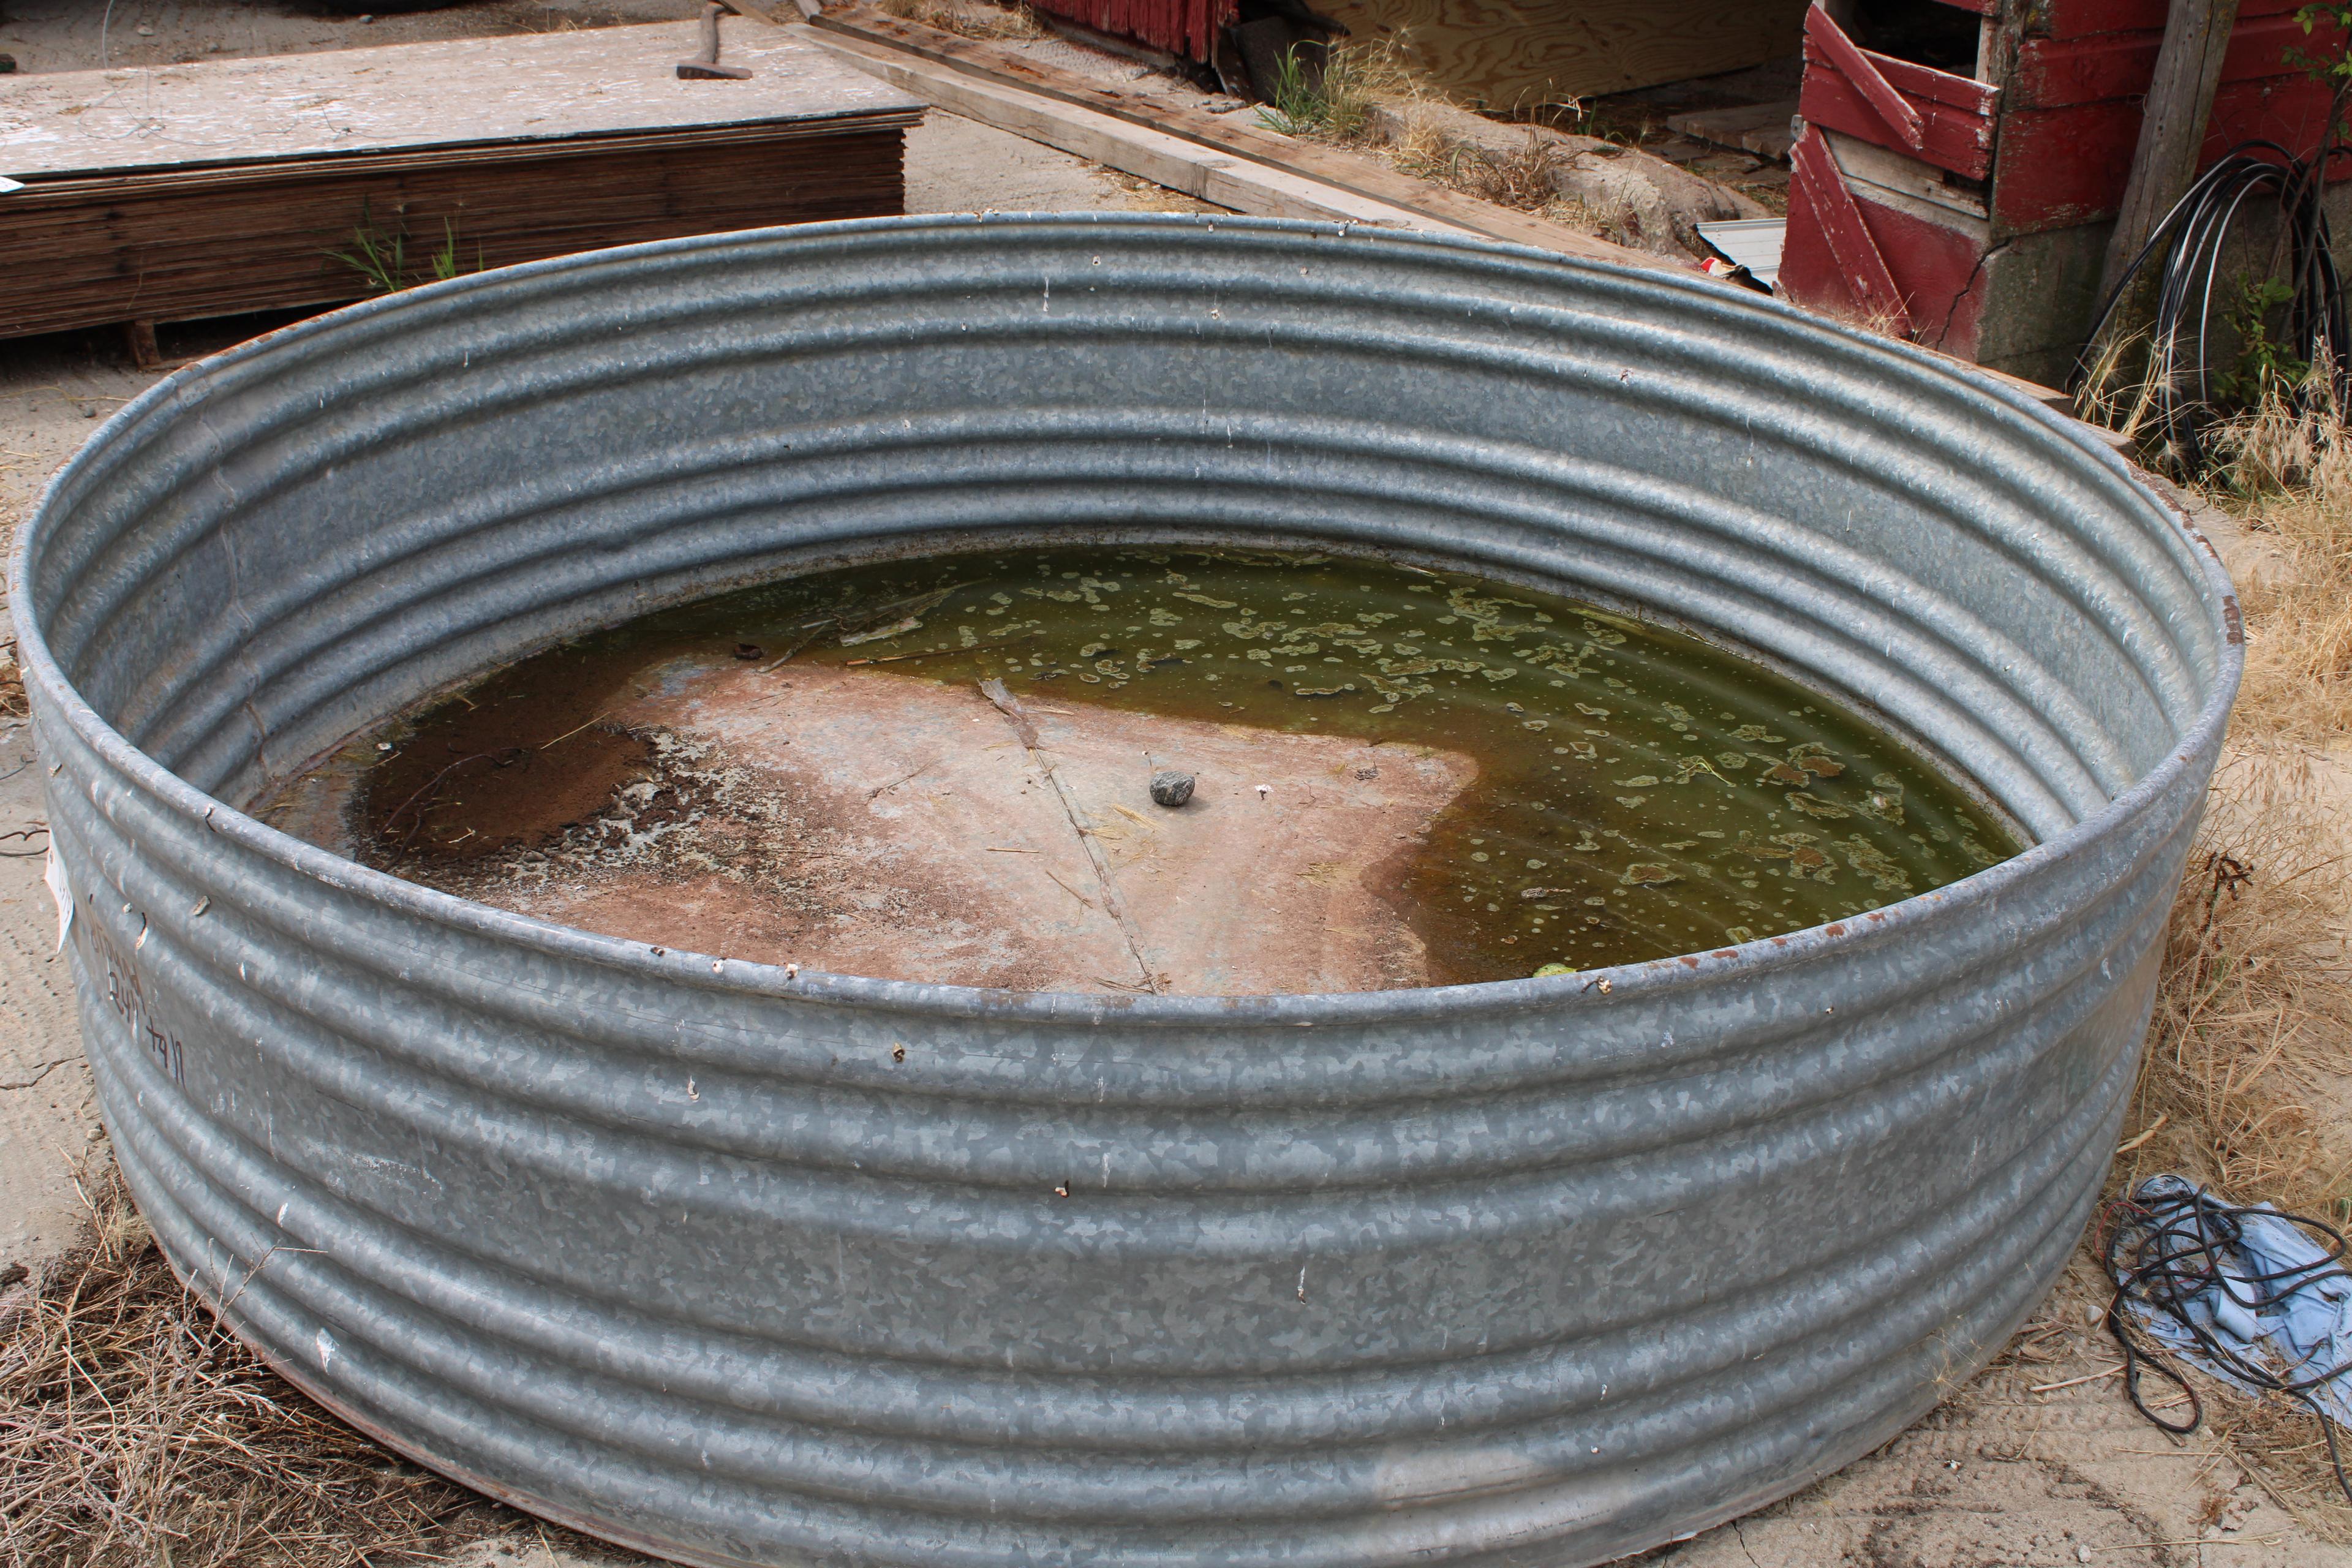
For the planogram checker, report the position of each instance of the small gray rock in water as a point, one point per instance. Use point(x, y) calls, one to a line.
point(1170, 788)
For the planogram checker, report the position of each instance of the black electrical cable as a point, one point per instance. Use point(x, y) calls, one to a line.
point(2191, 241)
point(2167, 1246)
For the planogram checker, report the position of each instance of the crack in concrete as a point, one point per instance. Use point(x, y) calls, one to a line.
point(1018, 717)
point(43, 1070)
point(1952, 314)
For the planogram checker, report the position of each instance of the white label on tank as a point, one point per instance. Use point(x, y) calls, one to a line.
point(62, 892)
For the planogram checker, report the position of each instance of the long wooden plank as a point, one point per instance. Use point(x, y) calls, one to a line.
point(1844, 56)
point(1349, 172)
point(1858, 258)
point(1164, 159)
point(2055, 73)
point(1951, 137)
point(2081, 18)
point(2172, 130)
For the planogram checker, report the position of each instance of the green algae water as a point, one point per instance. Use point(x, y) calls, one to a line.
point(1639, 795)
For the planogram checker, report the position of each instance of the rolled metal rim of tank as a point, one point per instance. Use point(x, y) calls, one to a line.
point(1778, 1196)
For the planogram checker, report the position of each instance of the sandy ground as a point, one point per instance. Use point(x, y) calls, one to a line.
point(2037, 1460)
point(47, 1116)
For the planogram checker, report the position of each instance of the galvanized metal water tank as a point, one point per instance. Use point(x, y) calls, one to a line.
point(680, 1251)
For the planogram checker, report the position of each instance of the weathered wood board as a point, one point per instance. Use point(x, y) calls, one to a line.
point(209, 189)
point(1515, 54)
point(532, 88)
point(1758, 128)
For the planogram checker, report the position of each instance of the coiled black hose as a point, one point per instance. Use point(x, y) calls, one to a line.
point(2191, 240)
point(2172, 1243)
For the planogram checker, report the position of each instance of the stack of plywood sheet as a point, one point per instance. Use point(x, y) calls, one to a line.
point(181, 192)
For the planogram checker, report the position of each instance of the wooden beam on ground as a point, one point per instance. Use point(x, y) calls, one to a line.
point(1164, 159)
point(2050, 397)
point(1234, 134)
point(2172, 126)
point(1761, 127)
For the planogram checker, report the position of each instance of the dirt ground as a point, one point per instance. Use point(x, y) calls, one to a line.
point(2037, 1460)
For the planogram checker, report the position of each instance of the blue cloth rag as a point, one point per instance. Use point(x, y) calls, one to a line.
point(2260, 1286)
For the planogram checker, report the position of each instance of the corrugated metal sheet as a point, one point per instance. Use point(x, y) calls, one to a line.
point(680, 1250)
point(1186, 28)
point(1753, 243)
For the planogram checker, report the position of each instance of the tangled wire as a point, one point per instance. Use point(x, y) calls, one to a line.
point(2192, 240)
point(2170, 1245)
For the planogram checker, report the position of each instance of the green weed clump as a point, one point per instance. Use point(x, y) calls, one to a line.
point(380, 256)
point(1331, 101)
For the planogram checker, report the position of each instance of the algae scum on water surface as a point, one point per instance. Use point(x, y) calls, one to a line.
point(1637, 793)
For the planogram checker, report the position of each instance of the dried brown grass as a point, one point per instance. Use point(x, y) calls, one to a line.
point(1521, 179)
point(2286, 476)
point(12, 703)
point(1336, 97)
point(2253, 1024)
point(2278, 1445)
point(975, 20)
point(1370, 94)
point(2255, 1008)
point(136, 1432)
point(2115, 392)
point(2290, 481)
point(2248, 1080)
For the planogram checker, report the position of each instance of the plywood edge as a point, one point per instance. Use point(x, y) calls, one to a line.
point(87, 184)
